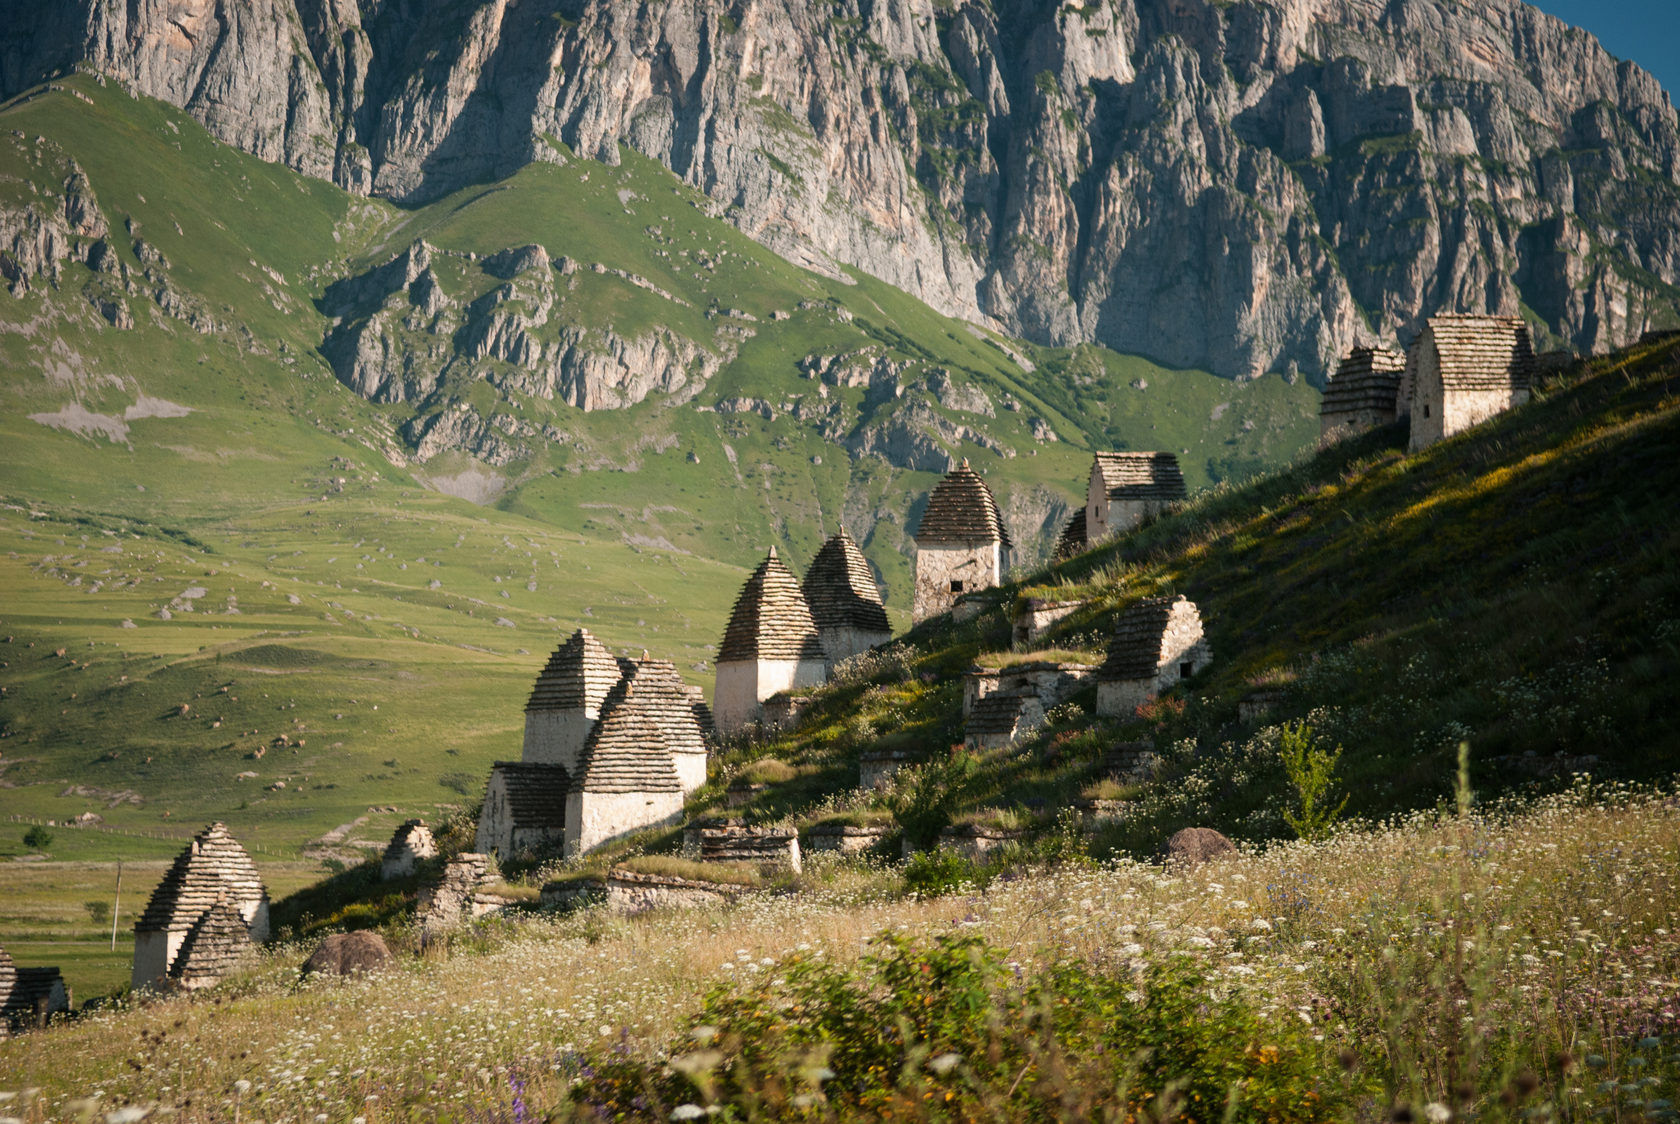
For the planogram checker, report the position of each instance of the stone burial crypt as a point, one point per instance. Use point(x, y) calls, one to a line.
point(611, 747)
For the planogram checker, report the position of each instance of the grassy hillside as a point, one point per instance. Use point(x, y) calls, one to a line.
point(1513, 964)
point(1513, 589)
point(199, 514)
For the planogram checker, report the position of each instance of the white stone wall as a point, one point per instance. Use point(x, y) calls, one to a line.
point(624, 896)
point(1426, 398)
point(1464, 408)
point(743, 685)
point(691, 770)
point(1182, 644)
point(873, 773)
point(1096, 507)
point(937, 567)
point(1121, 699)
point(1350, 423)
point(556, 737)
point(1031, 623)
point(840, 643)
point(1052, 682)
point(529, 838)
point(495, 820)
point(153, 953)
point(847, 840)
point(1105, 517)
point(256, 919)
point(594, 818)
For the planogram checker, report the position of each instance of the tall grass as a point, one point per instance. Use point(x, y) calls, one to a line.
point(1447, 960)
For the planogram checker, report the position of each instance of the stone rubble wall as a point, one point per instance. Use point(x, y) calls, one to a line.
point(751, 844)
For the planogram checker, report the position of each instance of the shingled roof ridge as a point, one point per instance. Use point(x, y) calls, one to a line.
point(1368, 378)
point(669, 700)
point(1076, 536)
point(771, 619)
point(962, 511)
point(1135, 650)
point(403, 837)
point(1483, 352)
point(628, 750)
point(213, 946)
point(1139, 475)
point(577, 676)
point(213, 863)
point(535, 790)
point(840, 588)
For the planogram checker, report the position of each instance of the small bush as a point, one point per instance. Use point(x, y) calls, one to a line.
point(768, 770)
point(948, 1032)
point(464, 783)
point(933, 874)
point(37, 838)
point(1311, 770)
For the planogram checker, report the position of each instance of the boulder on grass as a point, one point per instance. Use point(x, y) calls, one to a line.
point(348, 954)
point(1194, 846)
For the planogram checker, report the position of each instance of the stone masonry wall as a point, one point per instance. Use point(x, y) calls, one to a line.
point(594, 818)
point(556, 737)
point(937, 567)
point(743, 685)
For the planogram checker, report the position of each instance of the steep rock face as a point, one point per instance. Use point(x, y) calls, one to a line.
point(1242, 185)
point(400, 336)
point(38, 236)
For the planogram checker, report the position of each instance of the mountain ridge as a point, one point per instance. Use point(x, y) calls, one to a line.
point(1070, 174)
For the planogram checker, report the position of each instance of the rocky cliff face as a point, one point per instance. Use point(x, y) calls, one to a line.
point(1242, 185)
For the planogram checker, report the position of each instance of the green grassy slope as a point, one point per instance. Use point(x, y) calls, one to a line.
point(318, 588)
point(1514, 588)
point(146, 462)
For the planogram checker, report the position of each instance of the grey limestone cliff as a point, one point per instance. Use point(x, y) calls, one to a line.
point(1244, 185)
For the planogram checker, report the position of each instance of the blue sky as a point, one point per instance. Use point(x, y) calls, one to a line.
point(1646, 31)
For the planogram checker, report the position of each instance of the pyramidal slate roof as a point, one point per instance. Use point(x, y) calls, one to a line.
point(771, 620)
point(997, 713)
point(536, 791)
point(1075, 537)
point(666, 699)
point(628, 750)
point(412, 836)
point(703, 715)
point(1368, 379)
point(840, 588)
point(29, 991)
point(1483, 352)
point(214, 867)
point(1135, 651)
point(577, 676)
point(1141, 476)
point(212, 948)
point(961, 512)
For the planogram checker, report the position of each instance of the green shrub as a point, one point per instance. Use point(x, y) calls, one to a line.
point(935, 873)
point(927, 794)
point(949, 1032)
point(37, 838)
point(1311, 770)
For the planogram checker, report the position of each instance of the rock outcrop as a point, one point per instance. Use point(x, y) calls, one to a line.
point(1244, 186)
point(402, 333)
